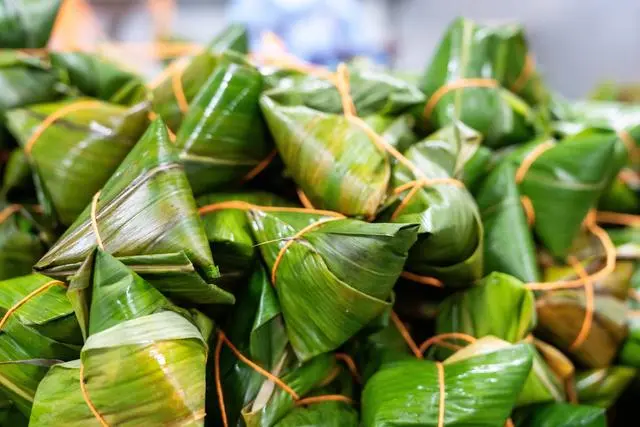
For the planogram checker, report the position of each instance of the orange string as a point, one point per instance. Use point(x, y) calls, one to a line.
point(376, 139)
point(330, 377)
point(238, 204)
point(27, 297)
point(94, 219)
point(260, 166)
point(178, 91)
point(617, 218)
point(441, 401)
point(530, 158)
point(175, 66)
point(216, 373)
point(152, 116)
point(425, 280)
point(297, 236)
point(344, 89)
point(446, 336)
point(610, 263)
point(405, 202)
point(70, 108)
point(325, 398)
point(341, 81)
point(455, 85)
point(449, 346)
point(304, 199)
point(629, 177)
point(290, 62)
point(382, 145)
point(589, 303)
point(428, 181)
point(630, 144)
point(525, 74)
point(7, 212)
point(222, 339)
point(572, 394)
point(405, 335)
point(415, 186)
point(351, 365)
point(87, 399)
point(527, 206)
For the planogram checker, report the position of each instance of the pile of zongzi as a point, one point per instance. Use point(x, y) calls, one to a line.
point(253, 240)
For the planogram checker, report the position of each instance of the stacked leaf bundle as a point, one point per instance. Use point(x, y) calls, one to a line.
point(251, 240)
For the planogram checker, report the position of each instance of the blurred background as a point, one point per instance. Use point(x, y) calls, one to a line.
point(577, 43)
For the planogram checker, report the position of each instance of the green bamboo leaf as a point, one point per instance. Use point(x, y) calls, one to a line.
point(192, 79)
point(159, 359)
point(453, 147)
point(382, 348)
point(76, 154)
point(627, 242)
point(327, 414)
point(396, 131)
point(222, 137)
point(17, 184)
point(229, 232)
point(601, 118)
point(561, 315)
point(96, 77)
point(564, 183)
point(408, 393)
point(25, 80)
point(608, 119)
point(112, 293)
point(19, 380)
point(42, 327)
point(233, 37)
point(273, 403)
point(329, 157)
point(46, 319)
point(27, 23)
point(477, 168)
point(372, 91)
point(450, 240)
point(10, 415)
point(342, 270)
point(457, 148)
point(597, 114)
point(145, 210)
point(630, 352)
point(620, 197)
point(502, 307)
point(560, 415)
point(256, 328)
point(551, 376)
point(509, 246)
point(20, 246)
point(499, 306)
point(602, 387)
point(469, 50)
